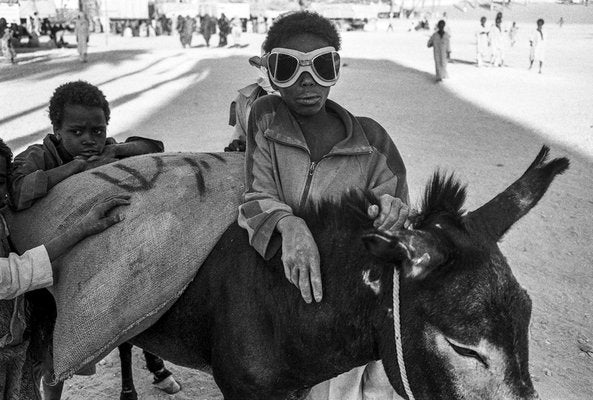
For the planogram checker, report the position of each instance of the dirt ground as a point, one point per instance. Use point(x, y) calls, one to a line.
point(486, 124)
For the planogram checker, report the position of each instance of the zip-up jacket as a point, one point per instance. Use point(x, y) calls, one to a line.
point(281, 178)
point(28, 179)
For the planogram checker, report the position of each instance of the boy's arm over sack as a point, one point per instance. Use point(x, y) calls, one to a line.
point(33, 174)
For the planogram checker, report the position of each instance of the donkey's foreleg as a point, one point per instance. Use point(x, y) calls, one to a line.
point(128, 391)
point(163, 378)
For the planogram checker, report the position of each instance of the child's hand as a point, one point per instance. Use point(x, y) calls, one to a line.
point(97, 219)
point(391, 215)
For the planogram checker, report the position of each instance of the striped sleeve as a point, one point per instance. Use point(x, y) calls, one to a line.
point(262, 208)
point(387, 171)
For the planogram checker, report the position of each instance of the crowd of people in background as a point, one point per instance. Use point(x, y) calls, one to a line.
point(28, 31)
point(491, 40)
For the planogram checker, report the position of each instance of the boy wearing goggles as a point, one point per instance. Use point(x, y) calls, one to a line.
point(302, 147)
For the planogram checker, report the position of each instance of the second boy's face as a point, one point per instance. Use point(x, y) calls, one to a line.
point(83, 131)
point(306, 97)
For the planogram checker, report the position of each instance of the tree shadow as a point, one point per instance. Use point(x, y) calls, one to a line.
point(70, 64)
point(39, 134)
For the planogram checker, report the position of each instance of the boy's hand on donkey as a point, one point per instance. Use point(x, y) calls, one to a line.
point(300, 258)
point(97, 219)
point(391, 215)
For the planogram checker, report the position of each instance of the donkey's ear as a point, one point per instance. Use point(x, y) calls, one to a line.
point(416, 252)
point(494, 218)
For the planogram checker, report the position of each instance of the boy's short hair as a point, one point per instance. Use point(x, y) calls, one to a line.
point(76, 93)
point(298, 23)
point(540, 21)
point(5, 151)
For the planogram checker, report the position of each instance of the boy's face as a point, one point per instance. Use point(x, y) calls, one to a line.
point(3, 181)
point(83, 131)
point(306, 97)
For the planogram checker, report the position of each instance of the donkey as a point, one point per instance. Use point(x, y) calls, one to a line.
point(464, 317)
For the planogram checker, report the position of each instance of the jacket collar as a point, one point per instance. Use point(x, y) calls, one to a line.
point(284, 128)
point(53, 145)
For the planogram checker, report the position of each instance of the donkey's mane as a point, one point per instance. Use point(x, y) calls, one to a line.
point(443, 194)
point(347, 212)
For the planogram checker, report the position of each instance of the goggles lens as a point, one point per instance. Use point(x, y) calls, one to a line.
point(326, 66)
point(285, 65)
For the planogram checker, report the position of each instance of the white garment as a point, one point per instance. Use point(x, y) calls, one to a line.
point(482, 51)
point(20, 274)
point(538, 46)
point(368, 382)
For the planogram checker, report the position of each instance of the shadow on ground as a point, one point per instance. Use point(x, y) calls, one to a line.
point(41, 66)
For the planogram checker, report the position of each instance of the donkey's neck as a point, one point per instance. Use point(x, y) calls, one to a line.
point(337, 333)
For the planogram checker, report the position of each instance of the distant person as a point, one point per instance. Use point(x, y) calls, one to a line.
point(440, 41)
point(241, 106)
point(236, 30)
point(207, 28)
point(224, 29)
point(497, 43)
point(482, 48)
point(537, 46)
point(82, 35)
point(179, 24)
point(36, 23)
point(187, 31)
point(6, 41)
point(513, 33)
point(561, 22)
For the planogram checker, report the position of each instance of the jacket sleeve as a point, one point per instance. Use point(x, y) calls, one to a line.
point(28, 179)
point(387, 171)
point(20, 274)
point(262, 206)
point(156, 145)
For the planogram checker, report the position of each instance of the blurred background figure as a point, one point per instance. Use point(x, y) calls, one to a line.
point(537, 46)
point(440, 41)
point(482, 43)
point(513, 33)
point(82, 35)
point(207, 28)
point(187, 31)
point(224, 28)
point(236, 30)
point(6, 41)
point(497, 43)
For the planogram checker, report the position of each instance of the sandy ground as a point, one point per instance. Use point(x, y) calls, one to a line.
point(485, 124)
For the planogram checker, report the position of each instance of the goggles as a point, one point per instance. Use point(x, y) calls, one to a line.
point(285, 66)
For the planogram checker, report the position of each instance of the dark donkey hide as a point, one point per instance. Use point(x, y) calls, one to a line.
point(464, 316)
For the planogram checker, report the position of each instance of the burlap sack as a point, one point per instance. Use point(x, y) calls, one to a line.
point(114, 285)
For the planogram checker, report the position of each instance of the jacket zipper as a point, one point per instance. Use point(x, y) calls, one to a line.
point(308, 184)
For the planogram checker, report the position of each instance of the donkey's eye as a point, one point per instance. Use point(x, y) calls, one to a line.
point(465, 352)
